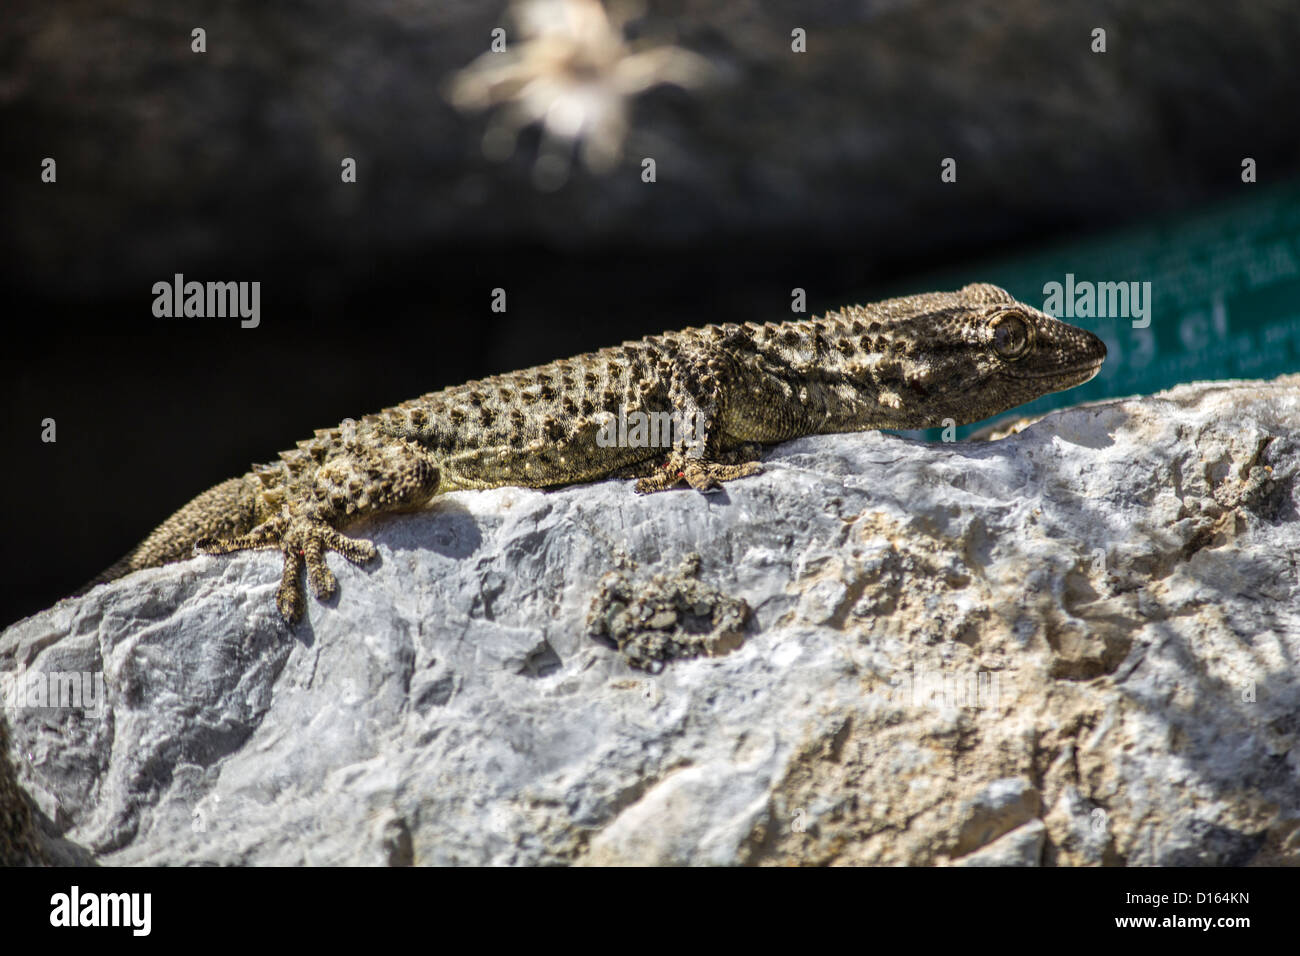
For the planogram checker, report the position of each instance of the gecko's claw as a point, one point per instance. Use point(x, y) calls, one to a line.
point(303, 541)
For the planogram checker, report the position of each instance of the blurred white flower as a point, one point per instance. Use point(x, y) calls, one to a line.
point(575, 74)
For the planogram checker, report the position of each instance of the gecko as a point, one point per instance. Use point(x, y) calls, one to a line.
point(918, 361)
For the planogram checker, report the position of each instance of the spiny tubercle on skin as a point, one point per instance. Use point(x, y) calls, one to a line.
point(912, 362)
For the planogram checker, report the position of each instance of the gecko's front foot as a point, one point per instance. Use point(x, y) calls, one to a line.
point(700, 475)
point(304, 541)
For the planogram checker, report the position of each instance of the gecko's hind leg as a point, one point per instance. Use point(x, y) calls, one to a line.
point(365, 477)
point(699, 394)
point(303, 539)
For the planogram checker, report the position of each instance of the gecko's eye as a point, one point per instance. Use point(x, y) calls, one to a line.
point(1012, 336)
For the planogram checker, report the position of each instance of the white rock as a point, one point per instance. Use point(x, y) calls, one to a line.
point(1074, 645)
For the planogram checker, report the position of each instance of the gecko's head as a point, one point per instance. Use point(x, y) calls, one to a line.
point(1028, 346)
point(1020, 352)
point(968, 355)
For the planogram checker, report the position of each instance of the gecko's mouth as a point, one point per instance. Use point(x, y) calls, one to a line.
point(1088, 372)
point(1081, 372)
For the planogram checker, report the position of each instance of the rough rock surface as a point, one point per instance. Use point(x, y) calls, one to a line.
point(19, 838)
point(1074, 646)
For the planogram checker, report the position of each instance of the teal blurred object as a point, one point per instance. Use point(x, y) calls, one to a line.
point(1225, 296)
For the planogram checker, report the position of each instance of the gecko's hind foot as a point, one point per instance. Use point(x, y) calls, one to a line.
point(304, 542)
point(700, 475)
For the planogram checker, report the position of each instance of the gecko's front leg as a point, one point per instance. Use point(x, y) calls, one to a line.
point(681, 469)
point(360, 479)
point(699, 392)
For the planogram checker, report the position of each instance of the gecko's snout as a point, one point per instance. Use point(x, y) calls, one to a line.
point(1079, 357)
point(1093, 354)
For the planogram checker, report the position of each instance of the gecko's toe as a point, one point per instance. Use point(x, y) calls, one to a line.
point(289, 604)
point(662, 482)
point(288, 598)
point(266, 535)
point(700, 477)
point(308, 539)
point(356, 550)
point(744, 470)
point(321, 579)
point(709, 476)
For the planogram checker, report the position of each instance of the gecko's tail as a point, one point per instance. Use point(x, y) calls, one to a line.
point(226, 510)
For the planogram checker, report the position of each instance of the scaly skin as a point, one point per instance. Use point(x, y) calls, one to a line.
point(910, 362)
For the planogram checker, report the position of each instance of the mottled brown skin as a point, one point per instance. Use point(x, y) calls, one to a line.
point(911, 362)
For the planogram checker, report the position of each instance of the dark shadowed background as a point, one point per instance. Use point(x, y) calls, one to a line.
point(818, 170)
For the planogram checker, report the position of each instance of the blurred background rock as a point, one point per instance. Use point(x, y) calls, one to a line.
point(774, 170)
